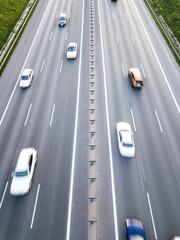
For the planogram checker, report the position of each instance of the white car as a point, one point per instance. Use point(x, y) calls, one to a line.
point(26, 78)
point(72, 50)
point(125, 139)
point(23, 174)
point(62, 20)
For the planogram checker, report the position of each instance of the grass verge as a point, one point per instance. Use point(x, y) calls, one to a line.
point(170, 12)
point(11, 22)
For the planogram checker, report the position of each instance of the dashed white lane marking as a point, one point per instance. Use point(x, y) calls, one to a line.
point(133, 119)
point(166, 80)
point(28, 114)
point(51, 35)
point(34, 211)
point(52, 115)
point(142, 69)
point(66, 36)
point(123, 69)
point(158, 121)
point(3, 195)
point(60, 69)
point(133, 38)
point(9, 101)
point(117, 39)
point(42, 66)
point(152, 218)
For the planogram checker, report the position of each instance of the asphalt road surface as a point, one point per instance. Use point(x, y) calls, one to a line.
point(53, 116)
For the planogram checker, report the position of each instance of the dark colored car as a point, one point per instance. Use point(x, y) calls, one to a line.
point(135, 230)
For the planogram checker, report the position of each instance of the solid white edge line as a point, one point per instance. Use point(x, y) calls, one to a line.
point(133, 119)
point(28, 114)
point(158, 121)
point(60, 69)
point(177, 106)
point(113, 16)
point(34, 210)
point(3, 195)
point(52, 114)
point(108, 132)
point(9, 101)
point(151, 213)
point(75, 135)
point(42, 65)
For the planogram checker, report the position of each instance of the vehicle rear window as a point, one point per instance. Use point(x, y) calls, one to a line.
point(71, 49)
point(25, 77)
point(21, 174)
point(137, 81)
point(127, 144)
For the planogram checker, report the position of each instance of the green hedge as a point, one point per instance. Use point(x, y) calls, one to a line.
point(170, 10)
point(10, 12)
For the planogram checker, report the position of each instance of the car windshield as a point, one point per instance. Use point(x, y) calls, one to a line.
point(21, 174)
point(62, 18)
point(71, 49)
point(127, 144)
point(25, 77)
point(137, 81)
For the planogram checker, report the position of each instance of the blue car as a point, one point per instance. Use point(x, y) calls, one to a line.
point(135, 230)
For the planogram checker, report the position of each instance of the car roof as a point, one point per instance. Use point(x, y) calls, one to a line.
point(72, 44)
point(137, 73)
point(62, 15)
point(126, 136)
point(23, 159)
point(123, 126)
point(26, 71)
point(135, 227)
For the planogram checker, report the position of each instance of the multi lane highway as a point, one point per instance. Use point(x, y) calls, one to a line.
point(53, 116)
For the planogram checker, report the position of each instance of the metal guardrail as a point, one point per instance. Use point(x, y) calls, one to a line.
point(8, 46)
point(169, 40)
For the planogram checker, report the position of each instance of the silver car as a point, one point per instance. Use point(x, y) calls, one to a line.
point(62, 19)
